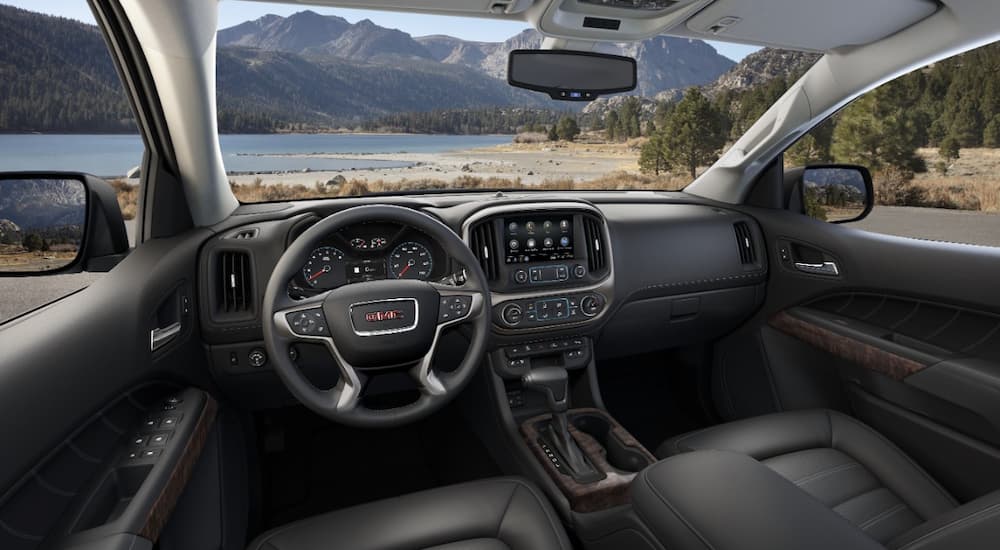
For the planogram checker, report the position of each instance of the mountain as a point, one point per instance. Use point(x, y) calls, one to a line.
point(302, 72)
point(41, 204)
point(761, 67)
point(55, 74)
point(664, 62)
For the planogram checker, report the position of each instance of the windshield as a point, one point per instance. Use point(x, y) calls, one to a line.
point(334, 102)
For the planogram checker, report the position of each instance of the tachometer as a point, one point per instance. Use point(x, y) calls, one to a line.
point(411, 260)
point(325, 268)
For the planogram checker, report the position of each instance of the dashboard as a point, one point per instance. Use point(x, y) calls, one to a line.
point(369, 252)
point(650, 272)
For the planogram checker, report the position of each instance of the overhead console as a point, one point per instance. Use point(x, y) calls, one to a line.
point(548, 264)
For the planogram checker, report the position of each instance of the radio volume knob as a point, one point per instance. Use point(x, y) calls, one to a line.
point(512, 314)
point(520, 276)
point(579, 271)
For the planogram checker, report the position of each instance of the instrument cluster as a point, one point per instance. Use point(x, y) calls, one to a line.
point(371, 252)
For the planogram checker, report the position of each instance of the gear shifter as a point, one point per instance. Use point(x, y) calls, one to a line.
point(554, 383)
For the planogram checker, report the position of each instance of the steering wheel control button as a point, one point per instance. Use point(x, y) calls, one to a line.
point(257, 358)
point(309, 322)
point(454, 307)
point(512, 314)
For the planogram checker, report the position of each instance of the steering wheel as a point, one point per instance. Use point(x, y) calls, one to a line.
point(377, 326)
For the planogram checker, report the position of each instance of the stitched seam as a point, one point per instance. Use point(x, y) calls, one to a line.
point(556, 526)
point(859, 495)
point(826, 473)
point(503, 515)
point(19, 534)
point(882, 516)
point(974, 518)
point(906, 458)
point(682, 519)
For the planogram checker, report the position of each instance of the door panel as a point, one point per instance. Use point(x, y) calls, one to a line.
point(908, 329)
point(63, 374)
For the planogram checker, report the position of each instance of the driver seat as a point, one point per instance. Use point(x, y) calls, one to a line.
point(492, 514)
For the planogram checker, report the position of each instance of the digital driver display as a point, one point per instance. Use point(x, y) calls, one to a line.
point(538, 239)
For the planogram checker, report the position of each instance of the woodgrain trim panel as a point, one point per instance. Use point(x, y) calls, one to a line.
point(181, 474)
point(600, 495)
point(845, 347)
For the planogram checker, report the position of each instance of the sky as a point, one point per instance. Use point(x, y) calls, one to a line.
point(233, 12)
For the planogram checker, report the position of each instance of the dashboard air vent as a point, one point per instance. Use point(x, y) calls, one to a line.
point(744, 242)
point(250, 233)
point(484, 246)
point(596, 253)
point(235, 282)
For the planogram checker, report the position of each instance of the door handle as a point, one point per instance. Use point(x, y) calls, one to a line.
point(829, 269)
point(159, 337)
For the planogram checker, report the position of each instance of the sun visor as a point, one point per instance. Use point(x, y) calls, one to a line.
point(817, 25)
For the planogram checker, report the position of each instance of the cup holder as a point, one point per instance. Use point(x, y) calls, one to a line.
point(618, 455)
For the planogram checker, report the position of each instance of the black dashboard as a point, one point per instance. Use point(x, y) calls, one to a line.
point(570, 280)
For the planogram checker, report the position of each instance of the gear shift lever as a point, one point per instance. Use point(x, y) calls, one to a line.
point(554, 383)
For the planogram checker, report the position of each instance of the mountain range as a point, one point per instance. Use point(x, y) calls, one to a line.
point(664, 62)
point(302, 72)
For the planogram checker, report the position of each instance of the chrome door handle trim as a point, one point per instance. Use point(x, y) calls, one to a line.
point(159, 337)
point(829, 269)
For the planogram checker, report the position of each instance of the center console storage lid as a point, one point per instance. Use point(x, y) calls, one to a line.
point(720, 500)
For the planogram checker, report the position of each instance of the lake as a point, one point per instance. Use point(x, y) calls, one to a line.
point(115, 155)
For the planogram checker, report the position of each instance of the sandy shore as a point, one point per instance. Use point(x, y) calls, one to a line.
point(533, 164)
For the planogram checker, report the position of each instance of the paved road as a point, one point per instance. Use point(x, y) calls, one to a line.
point(934, 224)
point(22, 294)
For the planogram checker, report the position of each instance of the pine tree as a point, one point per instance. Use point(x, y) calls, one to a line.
point(692, 136)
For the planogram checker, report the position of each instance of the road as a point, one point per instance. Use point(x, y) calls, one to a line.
point(22, 294)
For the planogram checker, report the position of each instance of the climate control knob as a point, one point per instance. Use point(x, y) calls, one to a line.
point(512, 314)
point(590, 305)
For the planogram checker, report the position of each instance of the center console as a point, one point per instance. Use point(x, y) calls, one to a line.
point(549, 265)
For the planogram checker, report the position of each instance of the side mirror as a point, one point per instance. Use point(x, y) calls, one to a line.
point(571, 75)
point(58, 223)
point(835, 193)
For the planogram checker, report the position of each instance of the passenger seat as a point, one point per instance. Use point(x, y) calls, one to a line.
point(841, 462)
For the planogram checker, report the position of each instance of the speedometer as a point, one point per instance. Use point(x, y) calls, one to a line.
point(411, 260)
point(325, 268)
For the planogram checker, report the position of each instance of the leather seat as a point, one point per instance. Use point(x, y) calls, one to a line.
point(841, 462)
point(493, 514)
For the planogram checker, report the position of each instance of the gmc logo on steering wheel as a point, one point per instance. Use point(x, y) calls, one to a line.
point(379, 316)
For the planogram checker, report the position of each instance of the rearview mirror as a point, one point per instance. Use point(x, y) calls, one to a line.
point(837, 193)
point(571, 75)
point(58, 222)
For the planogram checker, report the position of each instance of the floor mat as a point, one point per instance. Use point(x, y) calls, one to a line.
point(311, 466)
point(654, 396)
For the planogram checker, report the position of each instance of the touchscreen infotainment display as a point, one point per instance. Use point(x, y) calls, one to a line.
point(541, 238)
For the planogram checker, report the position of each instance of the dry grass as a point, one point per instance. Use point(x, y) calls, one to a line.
point(17, 258)
point(128, 197)
point(259, 192)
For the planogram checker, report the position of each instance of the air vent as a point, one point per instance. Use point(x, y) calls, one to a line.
point(250, 233)
point(235, 283)
point(744, 242)
point(596, 253)
point(484, 246)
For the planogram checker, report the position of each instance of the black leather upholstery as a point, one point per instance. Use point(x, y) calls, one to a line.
point(844, 464)
point(493, 514)
point(973, 526)
point(715, 500)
